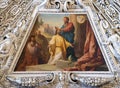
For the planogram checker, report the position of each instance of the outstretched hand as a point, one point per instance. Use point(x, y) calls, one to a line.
point(57, 28)
point(71, 45)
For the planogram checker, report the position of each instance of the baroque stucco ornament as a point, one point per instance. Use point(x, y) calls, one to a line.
point(18, 16)
point(63, 5)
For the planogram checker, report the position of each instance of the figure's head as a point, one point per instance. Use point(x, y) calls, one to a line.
point(57, 31)
point(66, 20)
point(38, 32)
point(32, 40)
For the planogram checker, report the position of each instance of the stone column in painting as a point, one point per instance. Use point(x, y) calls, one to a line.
point(79, 34)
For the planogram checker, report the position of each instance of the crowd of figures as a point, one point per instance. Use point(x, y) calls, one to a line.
point(35, 52)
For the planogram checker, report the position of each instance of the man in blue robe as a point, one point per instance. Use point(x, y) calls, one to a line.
point(67, 32)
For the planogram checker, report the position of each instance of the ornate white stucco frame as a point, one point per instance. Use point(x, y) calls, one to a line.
point(60, 78)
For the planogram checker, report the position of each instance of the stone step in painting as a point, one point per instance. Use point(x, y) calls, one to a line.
point(60, 65)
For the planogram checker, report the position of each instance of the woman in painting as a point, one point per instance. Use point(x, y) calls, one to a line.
point(57, 48)
point(31, 55)
point(92, 57)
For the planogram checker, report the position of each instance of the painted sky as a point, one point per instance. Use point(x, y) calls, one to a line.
point(53, 19)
